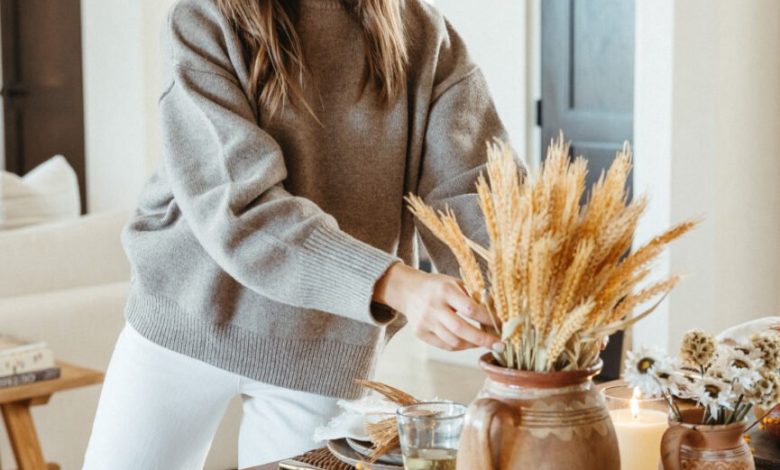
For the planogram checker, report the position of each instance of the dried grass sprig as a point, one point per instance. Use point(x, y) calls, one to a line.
point(393, 394)
point(384, 433)
point(558, 274)
point(445, 227)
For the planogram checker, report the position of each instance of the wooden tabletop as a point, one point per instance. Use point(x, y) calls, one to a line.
point(268, 466)
point(766, 449)
point(15, 403)
point(70, 377)
point(766, 453)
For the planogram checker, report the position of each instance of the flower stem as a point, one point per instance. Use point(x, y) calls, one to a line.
point(733, 416)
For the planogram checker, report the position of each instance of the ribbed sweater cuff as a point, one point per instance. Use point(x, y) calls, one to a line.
point(340, 273)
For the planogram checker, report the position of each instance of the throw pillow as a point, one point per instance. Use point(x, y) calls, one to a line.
point(48, 193)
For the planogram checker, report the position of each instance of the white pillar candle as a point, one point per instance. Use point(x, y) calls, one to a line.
point(639, 435)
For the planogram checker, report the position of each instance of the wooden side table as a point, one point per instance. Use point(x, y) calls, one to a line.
point(15, 403)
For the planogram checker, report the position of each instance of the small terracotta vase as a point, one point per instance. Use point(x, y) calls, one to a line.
point(542, 421)
point(689, 446)
point(771, 421)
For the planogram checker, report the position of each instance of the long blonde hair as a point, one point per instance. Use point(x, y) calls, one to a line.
point(275, 57)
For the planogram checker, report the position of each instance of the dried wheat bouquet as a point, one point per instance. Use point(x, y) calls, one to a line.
point(560, 276)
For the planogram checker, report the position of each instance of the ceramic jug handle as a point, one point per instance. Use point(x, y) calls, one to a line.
point(480, 416)
point(671, 442)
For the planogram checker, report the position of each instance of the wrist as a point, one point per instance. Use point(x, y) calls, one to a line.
point(392, 286)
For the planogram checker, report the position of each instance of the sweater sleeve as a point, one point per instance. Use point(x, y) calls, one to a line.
point(462, 119)
point(227, 174)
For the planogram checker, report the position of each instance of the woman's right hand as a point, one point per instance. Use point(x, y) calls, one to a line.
point(433, 305)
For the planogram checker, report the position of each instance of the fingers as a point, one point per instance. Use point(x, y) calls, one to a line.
point(462, 329)
point(460, 301)
point(434, 340)
point(480, 315)
point(435, 321)
point(452, 341)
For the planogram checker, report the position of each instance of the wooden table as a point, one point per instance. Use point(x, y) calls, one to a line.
point(766, 453)
point(268, 466)
point(766, 450)
point(15, 403)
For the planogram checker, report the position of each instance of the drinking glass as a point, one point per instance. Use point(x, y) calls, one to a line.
point(429, 434)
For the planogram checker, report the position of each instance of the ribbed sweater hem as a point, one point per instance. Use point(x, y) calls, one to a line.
point(316, 366)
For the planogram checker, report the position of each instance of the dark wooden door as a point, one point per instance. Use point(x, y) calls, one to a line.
point(588, 89)
point(43, 103)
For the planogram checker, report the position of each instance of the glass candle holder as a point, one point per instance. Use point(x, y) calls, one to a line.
point(639, 423)
point(429, 434)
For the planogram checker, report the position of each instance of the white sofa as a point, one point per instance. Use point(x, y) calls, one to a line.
point(66, 284)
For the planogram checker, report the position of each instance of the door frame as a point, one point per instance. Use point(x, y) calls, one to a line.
point(12, 157)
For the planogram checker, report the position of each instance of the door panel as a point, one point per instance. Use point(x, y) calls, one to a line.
point(42, 75)
point(588, 90)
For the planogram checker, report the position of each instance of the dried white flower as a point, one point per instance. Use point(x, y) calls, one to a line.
point(768, 345)
point(698, 348)
point(641, 370)
point(714, 394)
point(765, 391)
point(738, 366)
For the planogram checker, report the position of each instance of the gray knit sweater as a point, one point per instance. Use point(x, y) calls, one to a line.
point(257, 243)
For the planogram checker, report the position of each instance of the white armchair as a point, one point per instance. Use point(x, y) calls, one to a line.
point(66, 284)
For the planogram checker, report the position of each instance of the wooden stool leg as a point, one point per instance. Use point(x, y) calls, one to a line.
point(21, 432)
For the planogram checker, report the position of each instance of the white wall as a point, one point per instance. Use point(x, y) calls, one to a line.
point(653, 70)
point(2, 124)
point(121, 86)
point(707, 133)
point(495, 33)
point(154, 16)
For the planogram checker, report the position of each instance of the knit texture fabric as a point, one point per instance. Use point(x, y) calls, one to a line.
point(257, 243)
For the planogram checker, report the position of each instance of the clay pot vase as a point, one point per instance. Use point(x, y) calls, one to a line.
point(542, 421)
point(771, 421)
point(690, 446)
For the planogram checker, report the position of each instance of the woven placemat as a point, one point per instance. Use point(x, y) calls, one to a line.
point(320, 458)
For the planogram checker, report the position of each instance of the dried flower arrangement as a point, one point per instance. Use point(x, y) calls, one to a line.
point(726, 379)
point(559, 278)
point(384, 433)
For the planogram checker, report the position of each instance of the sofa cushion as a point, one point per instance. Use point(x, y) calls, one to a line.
point(82, 252)
point(48, 193)
point(81, 326)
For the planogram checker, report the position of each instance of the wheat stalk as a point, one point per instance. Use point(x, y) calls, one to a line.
point(558, 274)
point(444, 226)
point(384, 433)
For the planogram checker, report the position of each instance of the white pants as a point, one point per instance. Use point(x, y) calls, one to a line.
point(160, 410)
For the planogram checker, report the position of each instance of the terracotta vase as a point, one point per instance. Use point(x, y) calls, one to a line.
point(540, 421)
point(771, 421)
point(689, 446)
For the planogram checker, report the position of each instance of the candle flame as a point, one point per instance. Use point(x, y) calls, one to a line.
point(634, 403)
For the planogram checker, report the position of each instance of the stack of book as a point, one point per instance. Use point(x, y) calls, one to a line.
point(23, 362)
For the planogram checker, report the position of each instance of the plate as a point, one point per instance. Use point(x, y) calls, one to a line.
point(342, 451)
point(364, 448)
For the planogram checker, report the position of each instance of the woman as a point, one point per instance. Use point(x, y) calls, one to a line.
point(272, 253)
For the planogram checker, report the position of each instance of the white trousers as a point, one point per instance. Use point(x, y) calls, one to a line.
point(160, 410)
